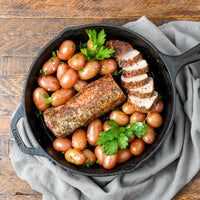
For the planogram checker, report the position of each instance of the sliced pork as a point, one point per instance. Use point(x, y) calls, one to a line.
point(129, 58)
point(144, 91)
point(135, 81)
point(138, 68)
point(119, 46)
point(143, 104)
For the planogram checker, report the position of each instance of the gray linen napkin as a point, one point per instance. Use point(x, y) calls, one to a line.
point(161, 177)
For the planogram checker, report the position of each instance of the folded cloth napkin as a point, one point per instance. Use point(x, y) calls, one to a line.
point(171, 167)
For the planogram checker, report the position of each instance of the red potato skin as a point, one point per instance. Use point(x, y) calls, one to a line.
point(51, 65)
point(79, 139)
point(39, 99)
point(75, 156)
point(62, 144)
point(62, 68)
point(123, 155)
point(95, 127)
point(61, 96)
point(69, 78)
point(66, 50)
point(50, 83)
point(137, 147)
point(108, 162)
point(90, 156)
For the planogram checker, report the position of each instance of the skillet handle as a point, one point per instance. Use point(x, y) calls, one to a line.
point(176, 63)
point(32, 151)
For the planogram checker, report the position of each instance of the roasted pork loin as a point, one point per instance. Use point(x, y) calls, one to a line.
point(144, 91)
point(119, 46)
point(129, 58)
point(138, 68)
point(97, 98)
point(143, 104)
point(134, 81)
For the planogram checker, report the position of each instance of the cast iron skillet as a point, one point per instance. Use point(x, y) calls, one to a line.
point(163, 68)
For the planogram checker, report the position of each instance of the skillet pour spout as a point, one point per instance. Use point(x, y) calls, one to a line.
point(163, 72)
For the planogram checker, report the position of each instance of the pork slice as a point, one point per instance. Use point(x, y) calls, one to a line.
point(143, 105)
point(97, 98)
point(129, 58)
point(119, 46)
point(144, 91)
point(135, 81)
point(138, 68)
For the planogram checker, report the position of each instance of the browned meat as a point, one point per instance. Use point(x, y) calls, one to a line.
point(143, 104)
point(119, 46)
point(135, 81)
point(138, 68)
point(145, 91)
point(129, 58)
point(94, 100)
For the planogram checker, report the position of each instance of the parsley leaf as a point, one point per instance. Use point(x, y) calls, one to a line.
point(48, 100)
point(118, 135)
point(99, 51)
point(88, 163)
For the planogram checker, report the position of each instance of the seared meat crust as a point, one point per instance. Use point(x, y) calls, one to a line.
point(94, 100)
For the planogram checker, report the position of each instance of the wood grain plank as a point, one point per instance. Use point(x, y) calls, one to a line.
point(11, 85)
point(14, 66)
point(25, 37)
point(21, 197)
point(98, 8)
point(8, 104)
point(4, 146)
point(4, 124)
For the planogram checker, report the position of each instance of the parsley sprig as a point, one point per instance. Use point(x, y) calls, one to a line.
point(119, 135)
point(99, 51)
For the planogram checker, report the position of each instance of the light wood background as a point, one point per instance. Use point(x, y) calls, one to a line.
point(27, 25)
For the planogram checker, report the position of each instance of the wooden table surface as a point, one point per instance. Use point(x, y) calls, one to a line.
point(27, 25)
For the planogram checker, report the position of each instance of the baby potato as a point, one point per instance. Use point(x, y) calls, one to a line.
point(106, 126)
point(89, 45)
point(108, 66)
point(149, 138)
point(66, 50)
point(39, 97)
point(154, 119)
point(90, 70)
point(95, 127)
point(50, 83)
point(77, 61)
point(137, 117)
point(110, 161)
point(127, 108)
point(62, 68)
point(69, 78)
point(137, 146)
point(62, 144)
point(158, 107)
point(123, 155)
point(61, 96)
point(120, 117)
point(75, 156)
point(99, 154)
point(90, 157)
point(79, 139)
point(80, 84)
point(51, 65)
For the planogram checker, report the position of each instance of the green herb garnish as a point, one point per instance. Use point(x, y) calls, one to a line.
point(158, 60)
point(62, 62)
point(75, 56)
point(88, 163)
point(52, 59)
point(160, 96)
point(119, 135)
point(72, 160)
point(48, 100)
point(99, 51)
point(53, 53)
point(81, 70)
point(38, 113)
point(40, 73)
point(82, 45)
point(117, 72)
point(44, 95)
point(97, 162)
